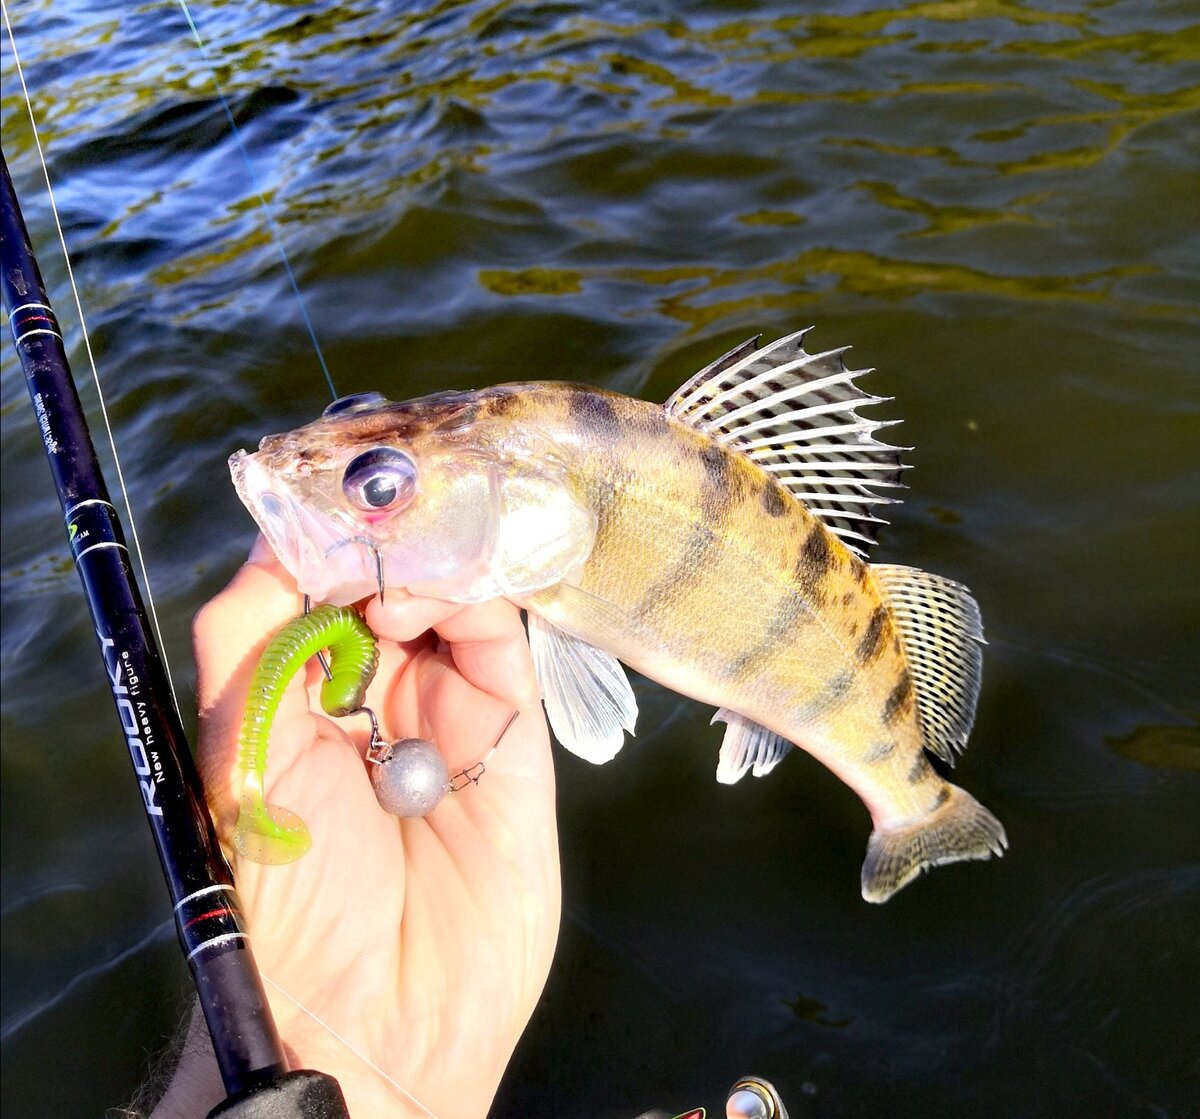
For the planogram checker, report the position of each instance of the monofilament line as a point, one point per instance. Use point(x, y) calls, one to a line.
point(87, 345)
point(277, 240)
point(357, 1052)
point(272, 227)
point(116, 457)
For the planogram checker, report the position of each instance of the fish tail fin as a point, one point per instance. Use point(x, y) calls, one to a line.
point(959, 829)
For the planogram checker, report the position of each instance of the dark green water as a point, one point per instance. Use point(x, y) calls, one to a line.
point(994, 202)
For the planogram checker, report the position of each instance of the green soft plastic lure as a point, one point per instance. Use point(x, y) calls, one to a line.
point(267, 833)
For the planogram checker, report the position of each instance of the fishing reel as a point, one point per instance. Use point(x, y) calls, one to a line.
point(750, 1098)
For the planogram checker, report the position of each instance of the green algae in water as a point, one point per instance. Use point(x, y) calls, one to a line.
point(1163, 747)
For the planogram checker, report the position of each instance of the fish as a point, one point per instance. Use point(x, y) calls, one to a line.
point(717, 544)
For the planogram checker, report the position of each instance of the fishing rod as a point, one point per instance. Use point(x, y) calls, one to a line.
point(208, 918)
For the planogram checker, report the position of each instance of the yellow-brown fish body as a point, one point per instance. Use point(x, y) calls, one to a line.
point(632, 533)
point(751, 605)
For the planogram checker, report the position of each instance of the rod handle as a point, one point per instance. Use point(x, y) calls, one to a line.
point(302, 1094)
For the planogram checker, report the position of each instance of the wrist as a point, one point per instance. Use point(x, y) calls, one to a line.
point(195, 1087)
point(371, 1092)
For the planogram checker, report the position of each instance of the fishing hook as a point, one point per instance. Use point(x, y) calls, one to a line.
point(366, 543)
point(321, 653)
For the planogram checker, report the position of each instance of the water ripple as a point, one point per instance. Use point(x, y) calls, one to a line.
point(988, 197)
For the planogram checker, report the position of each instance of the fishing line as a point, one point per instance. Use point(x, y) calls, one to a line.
point(272, 227)
point(87, 344)
point(346, 1042)
point(277, 240)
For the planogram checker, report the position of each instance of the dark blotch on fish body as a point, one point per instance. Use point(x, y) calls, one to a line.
point(722, 488)
point(880, 751)
point(921, 769)
point(816, 557)
point(689, 569)
point(871, 643)
point(594, 412)
point(841, 684)
point(772, 499)
point(780, 634)
point(899, 699)
point(816, 547)
point(716, 466)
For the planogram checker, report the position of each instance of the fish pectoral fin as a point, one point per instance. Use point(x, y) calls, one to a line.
point(747, 746)
point(543, 531)
point(941, 632)
point(587, 695)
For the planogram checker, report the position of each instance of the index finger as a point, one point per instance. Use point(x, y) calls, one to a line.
point(229, 635)
point(487, 640)
point(238, 622)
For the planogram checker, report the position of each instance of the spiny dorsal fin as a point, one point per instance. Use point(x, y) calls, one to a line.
point(941, 631)
point(794, 414)
point(747, 746)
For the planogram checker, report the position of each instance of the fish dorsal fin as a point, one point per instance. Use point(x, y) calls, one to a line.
point(942, 635)
point(587, 695)
point(747, 746)
point(793, 413)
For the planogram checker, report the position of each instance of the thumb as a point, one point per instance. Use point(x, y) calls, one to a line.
point(228, 636)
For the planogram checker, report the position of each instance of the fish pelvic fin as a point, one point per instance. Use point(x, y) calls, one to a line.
point(957, 830)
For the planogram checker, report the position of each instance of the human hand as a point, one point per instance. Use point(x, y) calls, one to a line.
point(425, 943)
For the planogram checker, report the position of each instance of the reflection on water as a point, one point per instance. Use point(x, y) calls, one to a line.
point(988, 198)
point(1165, 747)
point(813, 1010)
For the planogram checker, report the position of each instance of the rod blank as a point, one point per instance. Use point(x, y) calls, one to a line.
point(207, 912)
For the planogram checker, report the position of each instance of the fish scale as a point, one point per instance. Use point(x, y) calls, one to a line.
point(760, 571)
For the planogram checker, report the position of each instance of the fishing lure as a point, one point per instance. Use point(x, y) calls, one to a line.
point(267, 833)
point(409, 776)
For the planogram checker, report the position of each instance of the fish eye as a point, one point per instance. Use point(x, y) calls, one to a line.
point(353, 403)
point(382, 478)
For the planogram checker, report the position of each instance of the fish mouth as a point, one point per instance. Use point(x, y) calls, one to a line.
point(330, 562)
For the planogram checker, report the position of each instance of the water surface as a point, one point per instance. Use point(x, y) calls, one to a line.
point(994, 202)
